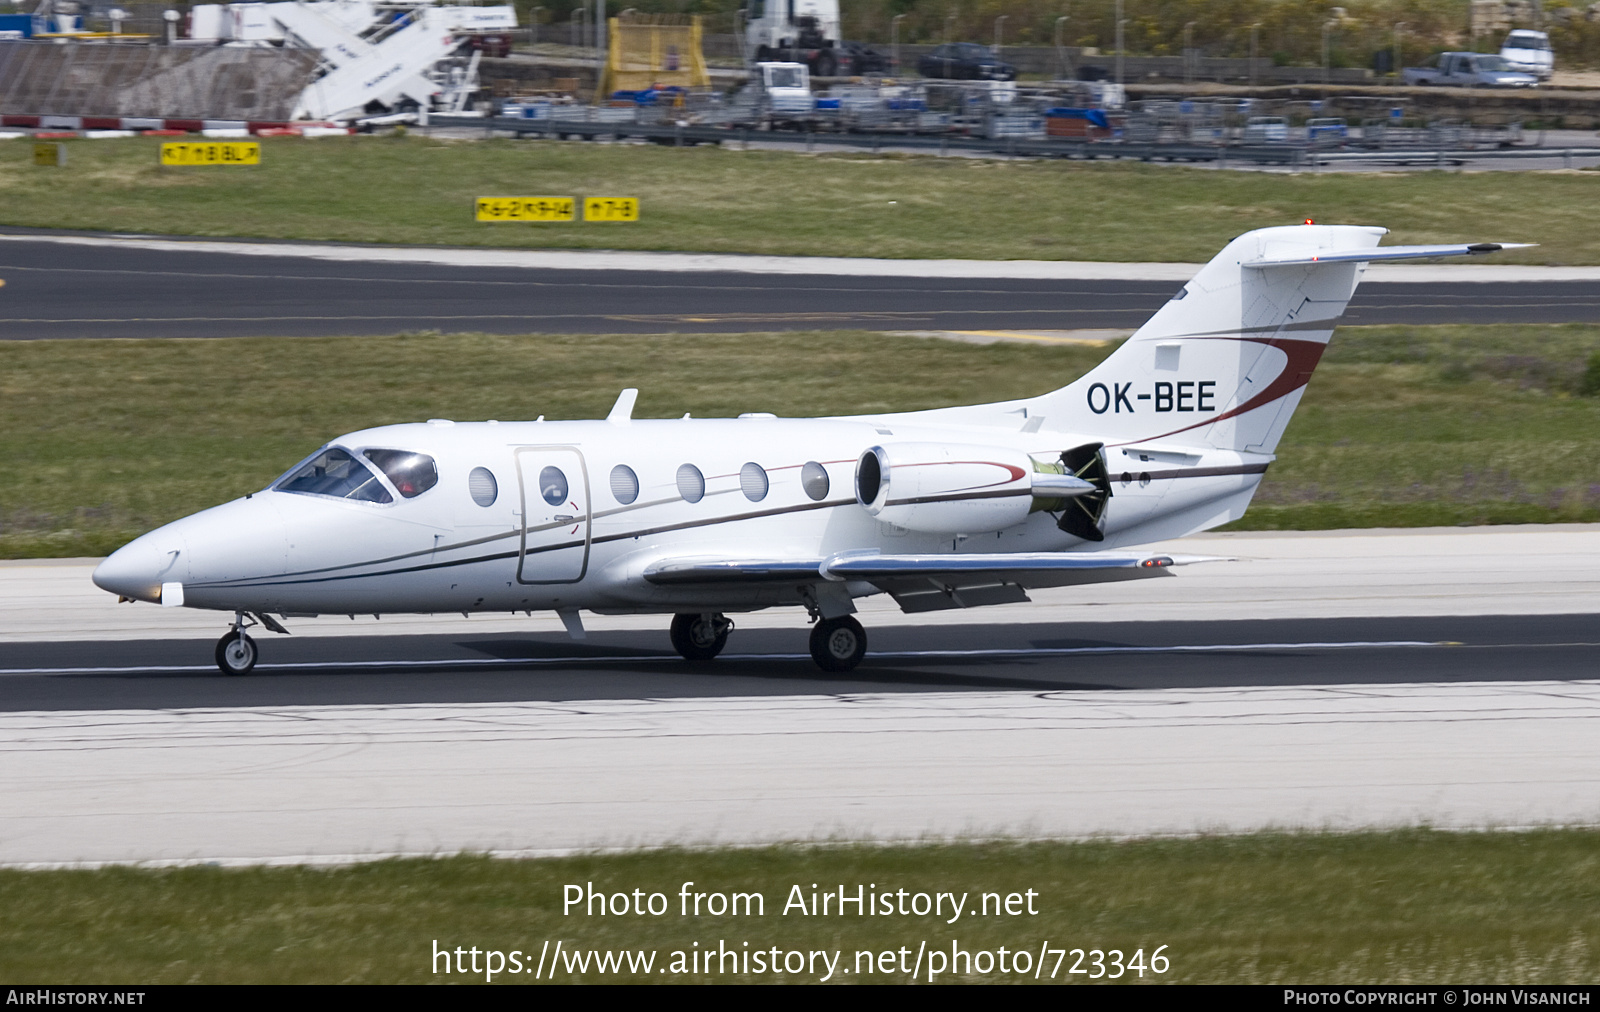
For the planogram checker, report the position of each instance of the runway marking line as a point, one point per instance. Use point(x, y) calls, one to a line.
point(482, 662)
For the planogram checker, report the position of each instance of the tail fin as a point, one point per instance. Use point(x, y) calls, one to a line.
point(1224, 363)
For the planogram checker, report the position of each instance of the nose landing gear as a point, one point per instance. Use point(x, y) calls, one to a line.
point(236, 652)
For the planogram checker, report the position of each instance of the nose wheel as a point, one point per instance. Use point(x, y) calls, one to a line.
point(838, 644)
point(700, 637)
point(236, 653)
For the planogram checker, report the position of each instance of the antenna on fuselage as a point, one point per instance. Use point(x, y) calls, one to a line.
point(622, 411)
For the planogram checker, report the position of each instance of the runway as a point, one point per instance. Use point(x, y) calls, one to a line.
point(1332, 680)
point(71, 287)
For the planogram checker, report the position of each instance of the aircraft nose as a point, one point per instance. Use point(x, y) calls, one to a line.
point(139, 568)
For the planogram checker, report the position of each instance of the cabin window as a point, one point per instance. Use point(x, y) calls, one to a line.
point(482, 486)
point(411, 473)
point(753, 482)
point(814, 479)
point(624, 484)
point(336, 473)
point(553, 486)
point(691, 483)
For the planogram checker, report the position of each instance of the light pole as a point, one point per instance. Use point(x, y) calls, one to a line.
point(1121, 22)
point(1255, 39)
point(533, 18)
point(1188, 48)
point(1399, 30)
point(999, 24)
point(1327, 27)
point(1061, 51)
point(580, 15)
point(894, 41)
point(949, 18)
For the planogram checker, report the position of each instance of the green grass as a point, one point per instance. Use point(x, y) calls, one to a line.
point(416, 190)
point(1400, 427)
point(1412, 906)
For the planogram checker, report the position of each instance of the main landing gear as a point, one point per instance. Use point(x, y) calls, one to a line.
point(700, 637)
point(837, 644)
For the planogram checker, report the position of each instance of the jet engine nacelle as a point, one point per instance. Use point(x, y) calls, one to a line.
point(941, 488)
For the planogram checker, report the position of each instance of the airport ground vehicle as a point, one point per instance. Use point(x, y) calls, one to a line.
point(946, 508)
point(965, 61)
point(798, 31)
point(1468, 70)
point(1529, 52)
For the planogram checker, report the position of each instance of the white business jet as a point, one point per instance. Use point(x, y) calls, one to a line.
point(698, 518)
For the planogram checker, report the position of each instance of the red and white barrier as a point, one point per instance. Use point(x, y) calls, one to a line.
point(103, 126)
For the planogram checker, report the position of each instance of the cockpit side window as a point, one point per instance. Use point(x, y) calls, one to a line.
point(335, 472)
point(411, 473)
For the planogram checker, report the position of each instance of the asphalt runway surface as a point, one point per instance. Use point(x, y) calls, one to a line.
point(53, 290)
point(1000, 656)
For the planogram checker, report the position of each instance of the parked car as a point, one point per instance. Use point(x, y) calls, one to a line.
point(1468, 70)
point(965, 61)
point(863, 59)
point(1529, 53)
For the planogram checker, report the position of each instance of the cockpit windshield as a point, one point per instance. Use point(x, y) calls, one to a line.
point(411, 473)
point(335, 472)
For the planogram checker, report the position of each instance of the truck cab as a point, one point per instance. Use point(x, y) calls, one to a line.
point(1529, 52)
point(804, 31)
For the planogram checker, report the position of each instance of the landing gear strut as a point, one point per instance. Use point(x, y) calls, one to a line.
point(236, 652)
point(700, 637)
point(838, 644)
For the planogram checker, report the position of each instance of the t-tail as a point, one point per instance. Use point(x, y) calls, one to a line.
point(1188, 412)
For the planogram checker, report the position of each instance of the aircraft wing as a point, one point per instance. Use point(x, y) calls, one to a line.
point(931, 582)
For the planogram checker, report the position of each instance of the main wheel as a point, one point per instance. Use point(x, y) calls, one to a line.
point(700, 637)
point(236, 654)
point(838, 644)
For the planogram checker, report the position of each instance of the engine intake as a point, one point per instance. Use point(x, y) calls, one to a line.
point(940, 488)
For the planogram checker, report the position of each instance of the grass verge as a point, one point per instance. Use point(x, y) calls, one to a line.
point(416, 190)
point(1400, 427)
point(1412, 906)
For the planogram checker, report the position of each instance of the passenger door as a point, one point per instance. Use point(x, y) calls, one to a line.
point(556, 522)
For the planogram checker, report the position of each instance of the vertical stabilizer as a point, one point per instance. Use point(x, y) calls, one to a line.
point(1224, 363)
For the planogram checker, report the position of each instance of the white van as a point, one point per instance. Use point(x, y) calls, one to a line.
point(1530, 53)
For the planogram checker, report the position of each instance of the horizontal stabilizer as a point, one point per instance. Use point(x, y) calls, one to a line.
point(1373, 253)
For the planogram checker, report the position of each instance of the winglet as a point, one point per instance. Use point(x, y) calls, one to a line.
point(622, 411)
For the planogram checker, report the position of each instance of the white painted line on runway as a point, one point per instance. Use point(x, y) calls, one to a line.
point(892, 655)
point(593, 260)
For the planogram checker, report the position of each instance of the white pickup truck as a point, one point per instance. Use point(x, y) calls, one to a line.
point(1468, 70)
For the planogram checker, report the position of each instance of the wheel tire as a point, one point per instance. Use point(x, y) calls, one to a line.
point(698, 640)
point(827, 66)
point(838, 644)
point(236, 654)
